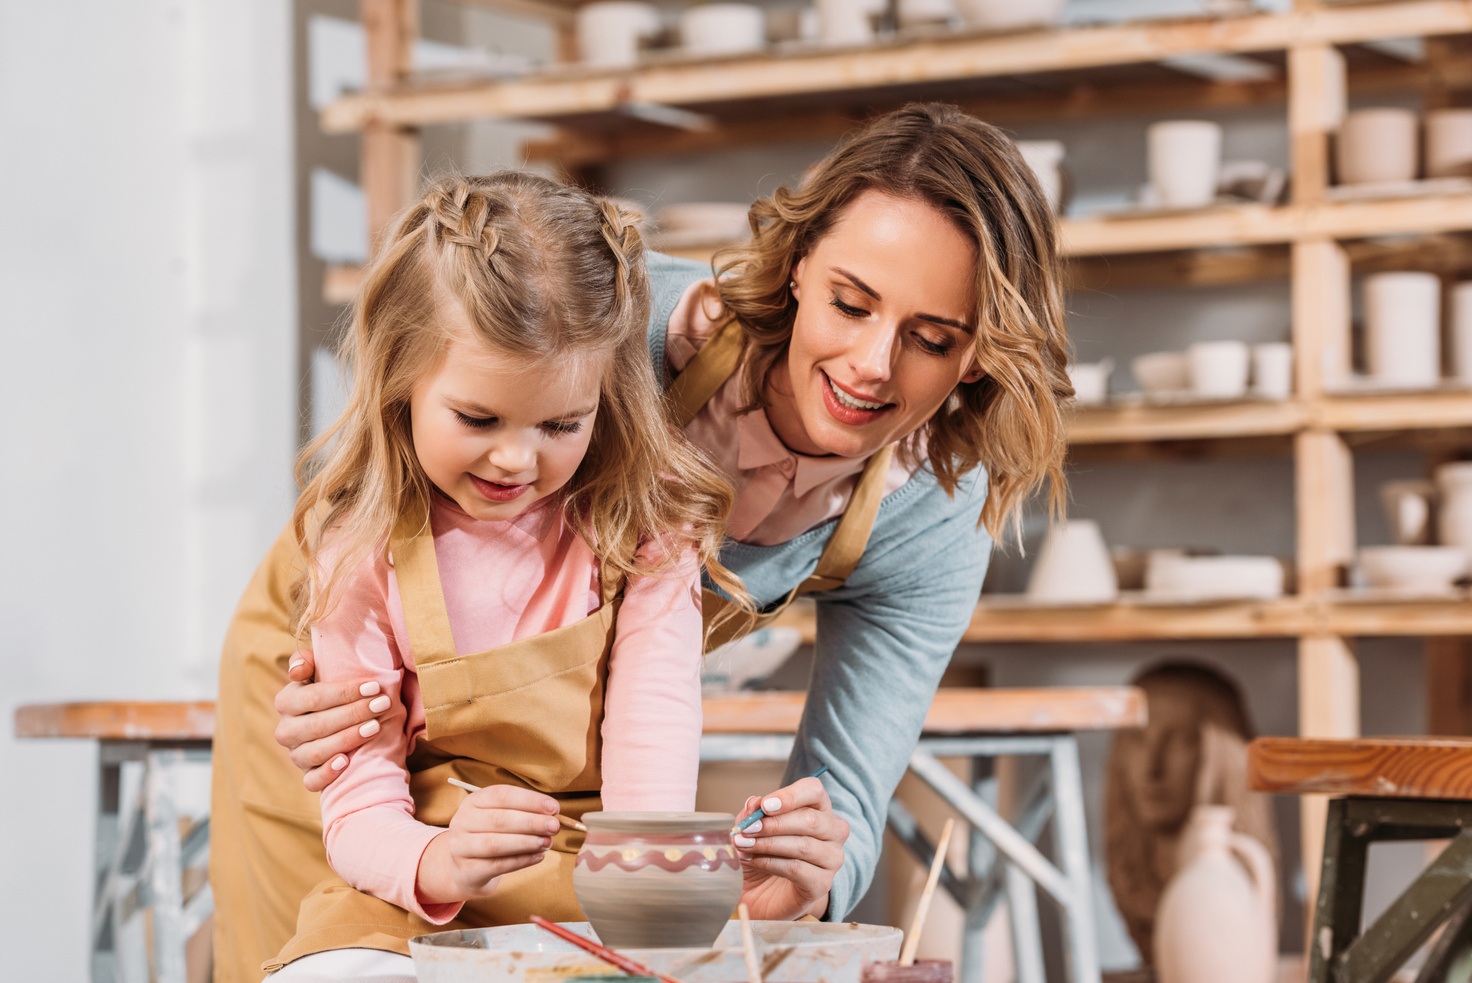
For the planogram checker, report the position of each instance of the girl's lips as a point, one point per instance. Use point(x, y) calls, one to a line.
point(847, 414)
point(495, 492)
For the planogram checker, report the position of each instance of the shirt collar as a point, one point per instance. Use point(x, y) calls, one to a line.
point(758, 446)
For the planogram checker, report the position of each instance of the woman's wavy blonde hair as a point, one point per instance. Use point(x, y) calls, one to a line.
point(1011, 421)
point(544, 272)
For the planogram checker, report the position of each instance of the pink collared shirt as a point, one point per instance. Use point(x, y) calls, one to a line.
point(779, 494)
point(503, 581)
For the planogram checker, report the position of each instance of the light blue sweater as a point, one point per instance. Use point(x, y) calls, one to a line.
point(883, 639)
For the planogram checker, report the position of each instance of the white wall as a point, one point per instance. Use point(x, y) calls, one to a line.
point(147, 388)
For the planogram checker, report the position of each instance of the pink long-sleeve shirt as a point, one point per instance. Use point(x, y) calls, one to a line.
point(503, 581)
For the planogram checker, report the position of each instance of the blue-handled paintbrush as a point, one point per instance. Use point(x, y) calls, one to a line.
point(759, 814)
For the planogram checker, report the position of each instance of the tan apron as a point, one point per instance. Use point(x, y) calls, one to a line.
point(266, 848)
point(526, 713)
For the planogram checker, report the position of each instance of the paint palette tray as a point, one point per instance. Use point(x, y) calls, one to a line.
point(791, 952)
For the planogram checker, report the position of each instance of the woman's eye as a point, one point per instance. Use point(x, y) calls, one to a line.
point(933, 347)
point(847, 310)
point(560, 428)
point(476, 422)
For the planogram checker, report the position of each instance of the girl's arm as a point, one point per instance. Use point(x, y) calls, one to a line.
point(651, 717)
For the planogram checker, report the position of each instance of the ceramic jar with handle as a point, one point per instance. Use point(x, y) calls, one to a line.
point(1217, 921)
point(1454, 513)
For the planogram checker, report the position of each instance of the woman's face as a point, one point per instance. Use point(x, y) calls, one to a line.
point(884, 329)
point(1162, 761)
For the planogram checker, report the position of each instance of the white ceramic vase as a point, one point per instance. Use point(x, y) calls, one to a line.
point(1073, 566)
point(1217, 921)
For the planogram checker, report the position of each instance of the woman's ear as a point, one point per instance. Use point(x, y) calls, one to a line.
point(974, 374)
point(792, 284)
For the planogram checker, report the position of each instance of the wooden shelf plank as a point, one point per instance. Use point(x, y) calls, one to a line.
point(1125, 424)
point(571, 92)
point(1421, 768)
point(119, 721)
point(1432, 410)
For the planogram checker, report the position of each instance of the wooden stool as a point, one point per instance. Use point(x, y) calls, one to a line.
point(1394, 789)
point(981, 725)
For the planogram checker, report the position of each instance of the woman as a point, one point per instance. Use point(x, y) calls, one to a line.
point(880, 373)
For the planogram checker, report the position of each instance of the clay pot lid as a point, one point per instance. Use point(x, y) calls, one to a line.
point(659, 822)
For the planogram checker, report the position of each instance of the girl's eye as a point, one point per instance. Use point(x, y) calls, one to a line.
point(559, 429)
point(933, 347)
point(476, 422)
point(847, 310)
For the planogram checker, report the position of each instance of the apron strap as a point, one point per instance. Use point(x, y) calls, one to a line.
point(706, 373)
point(846, 546)
point(420, 595)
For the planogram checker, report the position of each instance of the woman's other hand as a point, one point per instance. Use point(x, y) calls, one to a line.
point(322, 722)
point(497, 830)
point(790, 856)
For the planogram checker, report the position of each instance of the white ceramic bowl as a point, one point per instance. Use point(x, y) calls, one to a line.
point(1162, 373)
point(1172, 575)
point(1421, 568)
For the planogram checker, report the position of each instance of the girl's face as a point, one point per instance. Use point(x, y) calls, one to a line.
point(498, 434)
point(884, 329)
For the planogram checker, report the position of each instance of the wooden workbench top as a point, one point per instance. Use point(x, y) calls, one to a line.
point(1398, 767)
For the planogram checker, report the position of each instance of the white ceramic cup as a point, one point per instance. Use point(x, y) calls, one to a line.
point(1184, 158)
point(1045, 158)
point(1461, 324)
point(1074, 567)
point(609, 32)
point(918, 13)
point(1272, 370)
point(1449, 143)
point(1376, 146)
point(1403, 328)
point(1004, 15)
point(723, 28)
point(1219, 368)
point(847, 23)
point(1090, 381)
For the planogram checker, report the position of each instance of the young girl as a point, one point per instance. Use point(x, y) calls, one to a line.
point(505, 536)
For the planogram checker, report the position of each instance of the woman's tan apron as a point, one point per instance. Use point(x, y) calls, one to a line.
point(526, 713)
point(266, 830)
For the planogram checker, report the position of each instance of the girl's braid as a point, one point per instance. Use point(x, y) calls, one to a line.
point(621, 232)
point(462, 217)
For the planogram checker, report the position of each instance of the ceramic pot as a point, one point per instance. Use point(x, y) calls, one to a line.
point(1272, 369)
point(848, 23)
point(1074, 566)
point(1005, 15)
point(1454, 516)
point(723, 28)
point(1449, 143)
point(1403, 328)
point(1461, 333)
point(1422, 569)
point(1090, 381)
point(1217, 921)
point(1184, 159)
point(1375, 146)
point(1045, 158)
point(657, 880)
point(1408, 507)
point(1162, 373)
point(609, 32)
point(1219, 368)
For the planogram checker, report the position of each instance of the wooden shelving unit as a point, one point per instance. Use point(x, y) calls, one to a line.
point(1315, 56)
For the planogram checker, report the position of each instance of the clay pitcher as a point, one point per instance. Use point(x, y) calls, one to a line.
point(1217, 921)
point(656, 880)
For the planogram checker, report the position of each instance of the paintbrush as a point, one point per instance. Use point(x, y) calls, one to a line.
point(912, 941)
point(607, 955)
point(759, 814)
point(566, 822)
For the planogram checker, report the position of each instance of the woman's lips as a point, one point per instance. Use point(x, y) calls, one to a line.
point(850, 415)
point(496, 492)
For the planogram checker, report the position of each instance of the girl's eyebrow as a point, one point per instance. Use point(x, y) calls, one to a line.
point(933, 318)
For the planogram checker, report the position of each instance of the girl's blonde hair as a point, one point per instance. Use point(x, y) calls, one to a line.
point(1010, 421)
point(543, 272)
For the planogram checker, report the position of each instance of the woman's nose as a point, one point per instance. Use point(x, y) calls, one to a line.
point(872, 354)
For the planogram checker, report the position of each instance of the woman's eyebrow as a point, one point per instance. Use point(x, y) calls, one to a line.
point(933, 318)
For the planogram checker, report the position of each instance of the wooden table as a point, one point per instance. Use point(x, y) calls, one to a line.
point(977, 724)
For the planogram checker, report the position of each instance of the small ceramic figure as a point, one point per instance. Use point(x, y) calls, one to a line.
point(1192, 752)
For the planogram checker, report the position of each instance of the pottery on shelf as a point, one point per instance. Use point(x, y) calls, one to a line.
point(1430, 569)
point(1403, 328)
point(1184, 158)
point(1073, 566)
point(1218, 921)
point(654, 880)
point(1377, 146)
point(1454, 513)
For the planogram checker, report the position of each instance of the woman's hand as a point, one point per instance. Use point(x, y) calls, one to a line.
point(789, 857)
point(321, 722)
point(497, 830)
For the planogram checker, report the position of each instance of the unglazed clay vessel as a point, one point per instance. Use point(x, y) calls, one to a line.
point(1217, 920)
point(654, 880)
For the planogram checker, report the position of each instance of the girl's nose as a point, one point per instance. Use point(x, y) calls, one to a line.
point(872, 353)
point(513, 455)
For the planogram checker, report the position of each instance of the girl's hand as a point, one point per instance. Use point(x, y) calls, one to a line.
point(497, 830)
point(789, 857)
point(321, 722)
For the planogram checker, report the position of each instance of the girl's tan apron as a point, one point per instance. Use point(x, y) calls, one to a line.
point(265, 828)
point(527, 713)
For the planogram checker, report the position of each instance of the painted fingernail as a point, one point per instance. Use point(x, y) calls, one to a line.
point(744, 840)
point(379, 705)
point(298, 661)
point(755, 827)
point(771, 805)
point(369, 688)
point(369, 729)
point(340, 762)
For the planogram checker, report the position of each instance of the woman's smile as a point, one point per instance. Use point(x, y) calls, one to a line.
point(849, 407)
